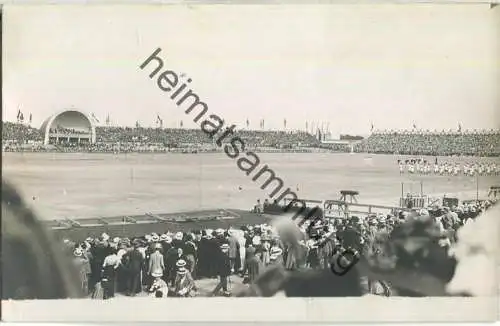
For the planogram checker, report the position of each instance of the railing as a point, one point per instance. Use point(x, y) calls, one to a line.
point(342, 209)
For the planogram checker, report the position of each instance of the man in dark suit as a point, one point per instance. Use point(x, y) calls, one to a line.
point(135, 263)
point(223, 270)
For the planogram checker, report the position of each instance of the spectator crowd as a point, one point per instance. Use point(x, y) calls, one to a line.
point(167, 264)
point(126, 139)
point(476, 143)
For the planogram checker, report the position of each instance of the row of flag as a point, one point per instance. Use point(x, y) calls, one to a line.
point(459, 128)
point(312, 127)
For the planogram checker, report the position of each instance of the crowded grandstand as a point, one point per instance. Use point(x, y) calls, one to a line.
point(21, 137)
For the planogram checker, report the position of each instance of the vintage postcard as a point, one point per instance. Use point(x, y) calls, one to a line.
point(293, 163)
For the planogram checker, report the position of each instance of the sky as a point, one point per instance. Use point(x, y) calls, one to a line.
point(347, 66)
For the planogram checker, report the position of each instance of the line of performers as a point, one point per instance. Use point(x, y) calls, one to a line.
point(423, 167)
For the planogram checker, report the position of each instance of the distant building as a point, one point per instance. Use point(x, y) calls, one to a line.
point(68, 127)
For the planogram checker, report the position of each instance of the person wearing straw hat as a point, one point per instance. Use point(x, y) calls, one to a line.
point(158, 285)
point(224, 270)
point(184, 285)
point(156, 263)
point(83, 268)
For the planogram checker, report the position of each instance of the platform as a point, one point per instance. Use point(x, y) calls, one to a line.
point(139, 225)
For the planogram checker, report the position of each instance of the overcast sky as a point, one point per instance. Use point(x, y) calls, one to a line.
point(349, 65)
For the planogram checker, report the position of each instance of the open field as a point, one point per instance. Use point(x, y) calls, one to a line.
point(92, 185)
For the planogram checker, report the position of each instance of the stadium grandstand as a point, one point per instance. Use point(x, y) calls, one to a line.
point(72, 130)
point(444, 143)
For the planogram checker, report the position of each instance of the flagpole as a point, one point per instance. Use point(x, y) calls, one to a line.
point(477, 186)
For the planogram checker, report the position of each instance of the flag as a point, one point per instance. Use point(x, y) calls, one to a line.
point(18, 114)
point(372, 127)
point(31, 117)
point(182, 124)
point(248, 123)
point(137, 125)
point(159, 120)
point(284, 123)
point(107, 120)
point(21, 117)
point(95, 118)
point(459, 127)
point(307, 126)
point(414, 126)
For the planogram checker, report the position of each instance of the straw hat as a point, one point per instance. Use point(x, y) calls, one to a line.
point(276, 251)
point(178, 236)
point(180, 263)
point(155, 238)
point(163, 237)
point(224, 246)
point(256, 240)
point(78, 252)
point(182, 271)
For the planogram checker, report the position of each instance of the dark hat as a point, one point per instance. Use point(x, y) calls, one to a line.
point(410, 259)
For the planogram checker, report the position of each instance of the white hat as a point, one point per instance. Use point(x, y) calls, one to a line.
point(276, 251)
point(256, 240)
point(180, 263)
point(89, 239)
point(224, 246)
point(105, 236)
point(209, 231)
point(219, 231)
point(178, 236)
point(78, 252)
point(423, 212)
point(148, 237)
point(163, 237)
point(116, 239)
point(155, 238)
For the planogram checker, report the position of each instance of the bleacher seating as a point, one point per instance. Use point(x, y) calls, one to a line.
point(479, 143)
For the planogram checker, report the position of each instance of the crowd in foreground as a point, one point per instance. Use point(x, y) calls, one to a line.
point(167, 264)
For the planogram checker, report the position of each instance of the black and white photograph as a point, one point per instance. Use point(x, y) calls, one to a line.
point(238, 162)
